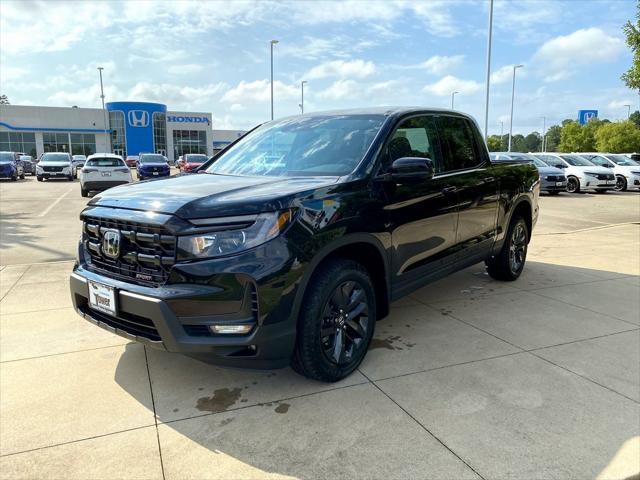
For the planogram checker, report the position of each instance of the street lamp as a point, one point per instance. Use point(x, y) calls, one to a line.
point(453, 95)
point(104, 113)
point(628, 111)
point(272, 43)
point(513, 93)
point(302, 95)
point(486, 100)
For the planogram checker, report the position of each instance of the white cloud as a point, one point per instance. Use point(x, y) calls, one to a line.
point(85, 97)
point(505, 74)
point(237, 107)
point(259, 91)
point(340, 89)
point(178, 96)
point(614, 104)
point(439, 64)
point(187, 69)
point(341, 69)
point(447, 85)
point(560, 56)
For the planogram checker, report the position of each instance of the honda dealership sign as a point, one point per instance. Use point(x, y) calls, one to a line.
point(585, 115)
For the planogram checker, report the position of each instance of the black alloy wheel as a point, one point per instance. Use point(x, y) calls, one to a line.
point(621, 184)
point(518, 248)
point(345, 323)
point(573, 185)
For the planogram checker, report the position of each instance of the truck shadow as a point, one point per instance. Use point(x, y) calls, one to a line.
point(217, 422)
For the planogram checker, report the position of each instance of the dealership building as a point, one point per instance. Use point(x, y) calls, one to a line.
point(124, 128)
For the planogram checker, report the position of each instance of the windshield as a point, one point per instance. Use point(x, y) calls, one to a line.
point(191, 158)
point(519, 157)
point(577, 161)
point(539, 163)
point(622, 160)
point(598, 160)
point(55, 157)
point(6, 157)
point(105, 162)
point(301, 146)
point(153, 158)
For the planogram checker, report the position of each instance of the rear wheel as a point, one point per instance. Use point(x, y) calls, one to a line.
point(39, 179)
point(14, 178)
point(621, 184)
point(336, 322)
point(509, 263)
point(84, 192)
point(573, 185)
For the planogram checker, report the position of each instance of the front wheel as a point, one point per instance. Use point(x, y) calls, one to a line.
point(39, 178)
point(22, 177)
point(14, 178)
point(573, 185)
point(336, 322)
point(509, 263)
point(70, 178)
point(621, 184)
point(84, 192)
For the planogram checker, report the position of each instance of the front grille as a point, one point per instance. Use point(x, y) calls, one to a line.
point(556, 178)
point(146, 255)
point(52, 169)
point(605, 176)
point(127, 322)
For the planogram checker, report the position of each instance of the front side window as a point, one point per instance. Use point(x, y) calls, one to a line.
point(458, 143)
point(598, 160)
point(622, 160)
point(414, 137)
point(317, 145)
point(577, 161)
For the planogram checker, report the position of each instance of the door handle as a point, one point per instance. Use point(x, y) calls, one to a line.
point(449, 190)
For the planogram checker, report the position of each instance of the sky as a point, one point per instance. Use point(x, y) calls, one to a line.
point(213, 56)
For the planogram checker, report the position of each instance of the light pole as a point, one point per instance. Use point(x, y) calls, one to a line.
point(486, 100)
point(513, 93)
point(302, 95)
point(544, 134)
point(104, 113)
point(501, 133)
point(628, 111)
point(272, 43)
point(453, 96)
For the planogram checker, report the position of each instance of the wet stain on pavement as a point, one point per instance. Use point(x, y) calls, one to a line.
point(226, 421)
point(282, 408)
point(390, 343)
point(222, 399)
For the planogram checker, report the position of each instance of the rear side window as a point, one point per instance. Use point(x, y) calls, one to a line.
point(414, 137)
point(105, 162)
point(458, 143)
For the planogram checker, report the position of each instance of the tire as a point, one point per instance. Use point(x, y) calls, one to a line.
point(14, 178)
point(509, 263)
point(573, 185)
point(84, 192)
point(22, 177)
point(621, 184)
point(329, 345)
point(70, 178)
point(39, 179)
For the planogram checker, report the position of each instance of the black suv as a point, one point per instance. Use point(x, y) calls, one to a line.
point(293, 241)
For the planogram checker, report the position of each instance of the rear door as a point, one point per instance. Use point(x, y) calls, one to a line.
point(422, 216)
point(469, 171)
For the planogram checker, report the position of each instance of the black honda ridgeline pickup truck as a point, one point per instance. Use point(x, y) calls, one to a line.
point(290, 244)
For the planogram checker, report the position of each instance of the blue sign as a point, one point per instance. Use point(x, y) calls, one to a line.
point(138, 119)
point(585, 115)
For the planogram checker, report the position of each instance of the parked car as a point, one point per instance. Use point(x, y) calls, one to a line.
point(152, 165)
point(55, 165)
point(290, 254)
point(131, 161)
point(510, 157)
point(552, 180)
point(627, 171)
point(102, 171)
point(78, 161)
point(10, 167)
point(27, 164)
point(192, 161)
point(581, 173)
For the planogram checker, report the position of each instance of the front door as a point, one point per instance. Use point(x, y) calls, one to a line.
point(421, 216)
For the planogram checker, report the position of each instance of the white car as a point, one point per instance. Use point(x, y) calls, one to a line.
point(55, 165)
point(102, 171)
point(581, 173)
point(627, 171)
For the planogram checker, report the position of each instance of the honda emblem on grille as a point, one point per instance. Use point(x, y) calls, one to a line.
point(111, 243)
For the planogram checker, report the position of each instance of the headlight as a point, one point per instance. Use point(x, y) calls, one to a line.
point(230, 241)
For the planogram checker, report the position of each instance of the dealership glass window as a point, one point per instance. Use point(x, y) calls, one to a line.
point(118, 138)
point(83, 144)
point(55, 142)
point(189, 141)
point(160, 132)
point(18, 142)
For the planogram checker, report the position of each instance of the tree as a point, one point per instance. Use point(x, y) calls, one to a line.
point(4, 100)
point(618, 137)
point(577, 138)
point(532, 142)
point(518, 144)
point(494, 143)
point(553, 137)
point(632, 76)
point(635, 118)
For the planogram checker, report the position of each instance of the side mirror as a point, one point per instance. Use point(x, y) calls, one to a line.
point(412, 169)
point(560, 165)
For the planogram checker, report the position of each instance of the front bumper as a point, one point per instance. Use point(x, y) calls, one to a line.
point(144, 174)
point(591, 183)
point(176, 316)
point(48, 175)
point(552, 186)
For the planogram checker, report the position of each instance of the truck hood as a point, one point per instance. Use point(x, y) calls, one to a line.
point(205, 195)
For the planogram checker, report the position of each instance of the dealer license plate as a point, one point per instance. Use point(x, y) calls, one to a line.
point(155, 173)
point(560, 184)
point(106, 174)
point(102, 298)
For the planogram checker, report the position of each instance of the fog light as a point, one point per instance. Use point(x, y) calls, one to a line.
point(231, 329)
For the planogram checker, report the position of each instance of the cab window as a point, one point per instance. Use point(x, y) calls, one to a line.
point(414, 137)
point(459, 147)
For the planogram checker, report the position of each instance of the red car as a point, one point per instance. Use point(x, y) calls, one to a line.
point(131, 161)
point(191, 162)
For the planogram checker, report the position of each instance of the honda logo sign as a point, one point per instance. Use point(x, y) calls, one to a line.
point(138, 118)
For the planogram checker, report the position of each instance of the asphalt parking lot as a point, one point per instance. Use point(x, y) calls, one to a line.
point(466, 378)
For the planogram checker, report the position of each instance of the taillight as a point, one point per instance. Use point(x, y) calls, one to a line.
point(121, 170)
point(88, 170)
